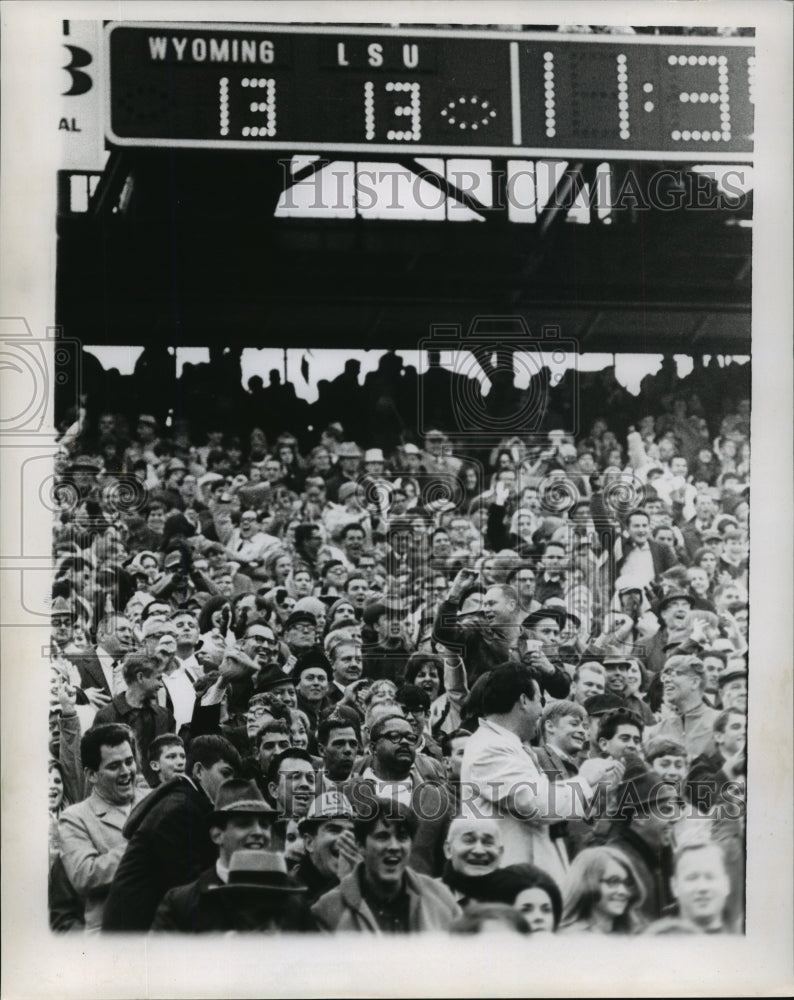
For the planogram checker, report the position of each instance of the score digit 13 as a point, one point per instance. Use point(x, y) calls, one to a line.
point(261, 95)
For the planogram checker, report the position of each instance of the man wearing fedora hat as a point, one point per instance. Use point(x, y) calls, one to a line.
point(348, 456)
point(241, 827)
point(168, 842)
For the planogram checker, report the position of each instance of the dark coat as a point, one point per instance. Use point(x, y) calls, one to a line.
point(147, 722)
point(91, 675)
point(481, 647)
point(316, 884)
point(199, 908)
point(706, 782)
point(67, 912)
point(169, 845)
point(385, 661)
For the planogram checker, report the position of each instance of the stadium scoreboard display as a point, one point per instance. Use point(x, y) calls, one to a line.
point(453, 92)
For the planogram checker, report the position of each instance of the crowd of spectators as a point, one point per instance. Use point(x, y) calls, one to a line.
point(364, 675)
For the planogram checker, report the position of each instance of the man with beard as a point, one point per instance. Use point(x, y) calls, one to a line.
point(691, 720)
point(388, 656)
point(219, 900)
point(137, 707)
point(382, 894)
point(673, 612)
point(415, 703)
point(394, 771)
point(330, 847)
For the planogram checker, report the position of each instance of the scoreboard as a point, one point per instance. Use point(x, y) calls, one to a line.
point(318, 88)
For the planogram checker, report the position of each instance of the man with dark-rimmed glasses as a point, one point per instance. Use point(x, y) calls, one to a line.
point(394, 771)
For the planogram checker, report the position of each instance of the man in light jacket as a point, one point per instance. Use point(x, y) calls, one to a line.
point(500, 775)
point(382, 895)
point(92, 842)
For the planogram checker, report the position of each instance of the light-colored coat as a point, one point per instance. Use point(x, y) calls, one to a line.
point(495, 765)
point(92, 844)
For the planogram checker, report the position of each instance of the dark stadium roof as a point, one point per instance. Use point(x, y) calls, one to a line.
point(184, 248)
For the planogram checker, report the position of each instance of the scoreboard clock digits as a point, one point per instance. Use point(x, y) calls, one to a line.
point(436, 91)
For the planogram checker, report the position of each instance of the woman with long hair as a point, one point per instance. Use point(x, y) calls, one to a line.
point(602, 894)
point(278, 566)
point(707, 560)
point(426, 670)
